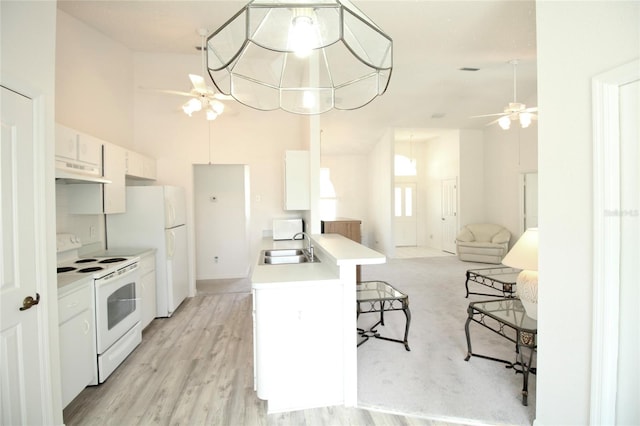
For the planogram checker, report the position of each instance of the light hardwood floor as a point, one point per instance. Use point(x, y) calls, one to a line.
point(196, 368)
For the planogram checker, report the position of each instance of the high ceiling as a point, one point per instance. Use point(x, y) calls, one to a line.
point(432, 40)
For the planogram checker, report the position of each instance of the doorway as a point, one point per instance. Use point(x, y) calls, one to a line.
point(449, 195)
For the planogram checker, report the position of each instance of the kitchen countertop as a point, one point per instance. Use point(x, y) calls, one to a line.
point(333, 250)
point(69, 282)
point(121, 252)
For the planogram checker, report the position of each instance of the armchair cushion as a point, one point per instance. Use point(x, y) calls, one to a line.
point(483, 242)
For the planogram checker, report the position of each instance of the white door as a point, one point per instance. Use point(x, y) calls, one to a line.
point(449, 214)
point(21, 391)
point(405, 215)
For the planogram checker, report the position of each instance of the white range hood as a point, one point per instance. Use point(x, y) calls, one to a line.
point(73, 172)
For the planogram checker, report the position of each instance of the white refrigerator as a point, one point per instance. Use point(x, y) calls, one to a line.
point(155, 217)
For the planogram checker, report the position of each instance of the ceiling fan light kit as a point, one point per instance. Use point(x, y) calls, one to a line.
point(305, 57)
point(515, 110)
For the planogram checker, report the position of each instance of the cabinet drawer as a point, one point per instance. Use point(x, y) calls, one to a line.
point(74, 303)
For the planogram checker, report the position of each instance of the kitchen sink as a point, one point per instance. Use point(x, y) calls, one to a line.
point(283, 252)
point(285, 257)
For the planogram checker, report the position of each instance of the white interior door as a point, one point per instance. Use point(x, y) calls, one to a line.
point(449, 214)
point(615, 380)
point(21, 391)
point(405, 215)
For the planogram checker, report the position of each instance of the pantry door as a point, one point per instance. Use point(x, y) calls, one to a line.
point(22, 348)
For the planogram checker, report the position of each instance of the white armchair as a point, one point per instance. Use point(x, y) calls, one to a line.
point(483, 242)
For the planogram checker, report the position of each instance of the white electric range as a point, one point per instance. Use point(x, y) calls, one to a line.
point(116, 295)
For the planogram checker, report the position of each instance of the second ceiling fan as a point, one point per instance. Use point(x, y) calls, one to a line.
point(515, 110)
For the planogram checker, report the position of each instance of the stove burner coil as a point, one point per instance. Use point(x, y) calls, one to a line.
point(84, 261)
point(113, 260)
point(91, 269)
point(65, 269)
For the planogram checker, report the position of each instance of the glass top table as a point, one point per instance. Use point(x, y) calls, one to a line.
point(380, 296)
point(501, 280)
point(507, 318)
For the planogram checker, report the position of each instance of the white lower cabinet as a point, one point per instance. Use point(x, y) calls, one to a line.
point(299, 345)
point(148, 281)
point(77, 343)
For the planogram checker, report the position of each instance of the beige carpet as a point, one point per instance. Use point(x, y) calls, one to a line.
point(433, 380)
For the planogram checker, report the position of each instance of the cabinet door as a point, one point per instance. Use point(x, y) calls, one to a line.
point(77, 355)
point(296, 180)
point(148, 284)
point(89, 149)
point(66, 142)
point(115, 159)
point(134, 167)
point(299, 346)
point(149, 168)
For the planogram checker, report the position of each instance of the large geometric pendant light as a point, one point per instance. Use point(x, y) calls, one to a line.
point(305, 57)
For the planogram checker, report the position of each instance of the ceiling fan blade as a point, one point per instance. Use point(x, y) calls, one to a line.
point(170, 92)
point(490, 115)
point(532, 109)
point(198, 83)
point(493, 122)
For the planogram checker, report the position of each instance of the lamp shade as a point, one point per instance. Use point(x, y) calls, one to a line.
point(524, 254)
point(302, 56)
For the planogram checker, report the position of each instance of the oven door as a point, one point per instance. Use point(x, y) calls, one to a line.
point(118, 306)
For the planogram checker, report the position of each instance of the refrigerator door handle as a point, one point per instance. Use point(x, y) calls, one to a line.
point(170, 212)
point(171, 244)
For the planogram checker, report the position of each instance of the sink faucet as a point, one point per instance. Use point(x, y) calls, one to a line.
point(310, 247)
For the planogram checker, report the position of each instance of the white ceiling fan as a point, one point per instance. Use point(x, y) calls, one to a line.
point(515, 110)
point(203, 97)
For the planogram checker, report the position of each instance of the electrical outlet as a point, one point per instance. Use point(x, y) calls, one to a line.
point(215, 259)
point(93, 233)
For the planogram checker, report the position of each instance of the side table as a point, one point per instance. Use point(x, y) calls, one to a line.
point(380, 296)
point(507, 318)
point(501, 279)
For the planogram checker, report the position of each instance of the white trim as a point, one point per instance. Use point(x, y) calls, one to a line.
point(606, 239)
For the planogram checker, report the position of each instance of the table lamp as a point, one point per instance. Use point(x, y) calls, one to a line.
point(524, 255)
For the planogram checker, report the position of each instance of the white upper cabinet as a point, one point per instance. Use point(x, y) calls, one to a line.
point(140, 166)
point(296, 180)
point(77, 146)
point(96, 198)
point(115, 163)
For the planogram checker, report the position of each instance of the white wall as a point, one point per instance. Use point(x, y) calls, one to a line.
point(507, 154)
point(27, 65)
point(380, 233)
point(471, 186)
point(350, 178)
point(599, 36)
point(442, 155)
point(94, 78)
